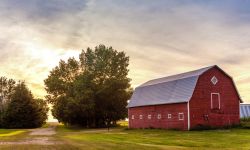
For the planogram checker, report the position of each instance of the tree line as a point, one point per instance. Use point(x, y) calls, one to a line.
point(91, 91)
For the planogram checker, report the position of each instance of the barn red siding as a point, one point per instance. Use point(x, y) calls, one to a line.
point(154, 122)
point(200, 104)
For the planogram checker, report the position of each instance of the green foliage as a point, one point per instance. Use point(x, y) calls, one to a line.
point(245, 119)
point(245, 122)
point(6, 87)
point(22, 110)
point(6, 90)
point(93, 91)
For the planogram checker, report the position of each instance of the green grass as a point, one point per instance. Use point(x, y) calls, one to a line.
point(123, 123)
point(163, 139)
point(121, 138)
point(39, 147)
point(10, 133)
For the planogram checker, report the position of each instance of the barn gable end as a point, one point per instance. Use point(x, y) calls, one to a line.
point(214, 105)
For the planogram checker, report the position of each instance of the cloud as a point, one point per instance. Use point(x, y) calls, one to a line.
point(37, 10)
point(161, 37)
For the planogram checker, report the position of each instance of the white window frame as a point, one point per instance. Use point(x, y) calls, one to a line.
point(179, 116)
point(159, 116)
point(132, 117)
point(169, 116)
point(141, 116)
point(149, 116)
point(212, 99)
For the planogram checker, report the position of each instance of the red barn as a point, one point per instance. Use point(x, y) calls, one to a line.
point(204, 97)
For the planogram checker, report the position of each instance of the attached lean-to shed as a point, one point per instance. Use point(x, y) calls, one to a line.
point(204, 97)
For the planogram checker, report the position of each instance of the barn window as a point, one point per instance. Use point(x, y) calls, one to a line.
point(169, 116)
point(214, 80)
point(181, 116)
point(159, 116)
point(140, 116)
point(149, 116)
point(215, 100)
point(133, 117)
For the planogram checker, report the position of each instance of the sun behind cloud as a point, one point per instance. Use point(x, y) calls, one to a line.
point(163, 38)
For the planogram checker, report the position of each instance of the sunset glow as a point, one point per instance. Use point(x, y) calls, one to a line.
point(163, 38)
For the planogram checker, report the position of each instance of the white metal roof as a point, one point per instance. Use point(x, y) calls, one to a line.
point(172, 89)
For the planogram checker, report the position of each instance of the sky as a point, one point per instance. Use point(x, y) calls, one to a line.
point(162, 37)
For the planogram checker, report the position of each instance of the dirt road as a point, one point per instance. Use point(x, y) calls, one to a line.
point(40, 136)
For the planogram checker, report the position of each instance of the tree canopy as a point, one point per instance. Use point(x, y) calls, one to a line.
point(6, 88)
point(91, 91)
point(19, 109)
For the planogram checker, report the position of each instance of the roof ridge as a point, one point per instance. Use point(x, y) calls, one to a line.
point(165, 81)
point(204, 69)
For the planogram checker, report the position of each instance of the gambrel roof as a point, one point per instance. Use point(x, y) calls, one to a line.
point(172, 89)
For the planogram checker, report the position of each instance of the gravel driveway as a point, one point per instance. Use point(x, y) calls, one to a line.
point(43, 131)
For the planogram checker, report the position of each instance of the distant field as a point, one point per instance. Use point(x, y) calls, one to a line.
point(120, 139)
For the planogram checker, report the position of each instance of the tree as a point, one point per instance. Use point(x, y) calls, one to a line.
point(42, 110)
point(23, 111)
point(6, 90)
point(92, 91)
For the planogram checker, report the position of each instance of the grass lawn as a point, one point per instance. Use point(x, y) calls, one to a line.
point(8, 133)
point(158, 139)
point(120, 138)
point(11, 135)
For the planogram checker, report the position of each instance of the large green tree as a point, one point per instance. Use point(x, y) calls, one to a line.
point(23, 111)
point(92, 91)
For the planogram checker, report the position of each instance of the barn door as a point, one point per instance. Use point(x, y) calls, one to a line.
point(215, 100)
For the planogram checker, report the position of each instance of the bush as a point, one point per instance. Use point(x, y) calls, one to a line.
point(245, 119)
point(245, 123)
